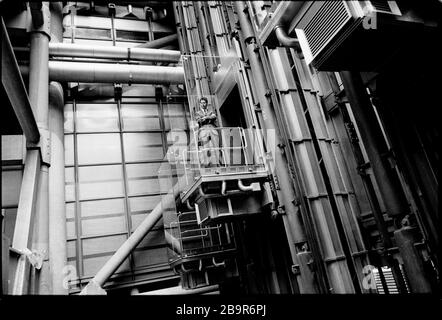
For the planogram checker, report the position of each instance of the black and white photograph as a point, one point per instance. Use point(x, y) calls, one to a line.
point(199, 151)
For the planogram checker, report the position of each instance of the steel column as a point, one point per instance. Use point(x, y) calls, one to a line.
point(375, 144)
point(25, 220)
point(39, 95)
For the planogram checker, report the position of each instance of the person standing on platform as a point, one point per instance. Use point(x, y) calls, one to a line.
point(208, 137)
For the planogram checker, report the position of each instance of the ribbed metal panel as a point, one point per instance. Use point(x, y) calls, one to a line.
point(381, 6)
point(389, 280)
point(325, 23)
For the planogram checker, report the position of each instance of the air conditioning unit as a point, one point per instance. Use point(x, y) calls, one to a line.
point(342, 35)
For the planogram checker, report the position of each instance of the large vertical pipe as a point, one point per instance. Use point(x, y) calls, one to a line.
point(414, 268)
point(388, 182)
point(295, 231)
point(38, 96)
point(375, 144)
point(57, 212)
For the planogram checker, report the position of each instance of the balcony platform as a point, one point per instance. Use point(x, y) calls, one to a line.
point(213, 175)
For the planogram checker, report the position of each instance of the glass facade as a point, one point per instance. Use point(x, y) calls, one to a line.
point(113, 152)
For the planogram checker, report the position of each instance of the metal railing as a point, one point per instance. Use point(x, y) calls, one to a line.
point(236, 151)
point(191, 239)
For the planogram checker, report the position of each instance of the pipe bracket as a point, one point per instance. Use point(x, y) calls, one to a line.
point(42, 26)
point(44, 145)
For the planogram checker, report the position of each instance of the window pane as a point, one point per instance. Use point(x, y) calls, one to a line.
point(70, 210)
point(102, 226)
point(103, 244)
point(69, 184)
point(9, 223)
point(92, 265)
point(97, 117)
point(98, 148)
point(153, 238)
point(142, 178)
point(11, 184)
point(68, 118)
point(138, 218)
point(69, 150)
point(102, 207)
point(100, 182)
point(71, 249)
point(143, 204)
point(137, 117)
point(70, 230)
point(175, 116)
point(150, 257)
point(143, 146)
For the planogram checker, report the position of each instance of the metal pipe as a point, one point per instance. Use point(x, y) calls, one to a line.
point(57, 208)
point(158, 43)
point(39, 98)
point(414, 268)
point(246, 28)
point(375, 145)
point(109, 73)
point(242, 187)
point(189, 206)
point(224, 186)
point(103, 52)
point(285, 40)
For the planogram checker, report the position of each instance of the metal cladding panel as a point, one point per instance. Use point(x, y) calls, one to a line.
point(322, 21)
point(106, 201)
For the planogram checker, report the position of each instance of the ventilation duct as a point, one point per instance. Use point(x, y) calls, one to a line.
point(342, 35)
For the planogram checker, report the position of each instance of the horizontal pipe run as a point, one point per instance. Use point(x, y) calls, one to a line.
point(106, 52)
point(63, 71)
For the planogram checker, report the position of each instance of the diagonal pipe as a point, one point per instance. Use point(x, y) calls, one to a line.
point(95, 285)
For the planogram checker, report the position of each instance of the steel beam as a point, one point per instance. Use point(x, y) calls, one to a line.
point(374, 142)
point(25, 219)
point(39, 97)
point(13, 86)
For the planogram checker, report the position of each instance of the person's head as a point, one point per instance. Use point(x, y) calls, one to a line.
point(203, 102)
